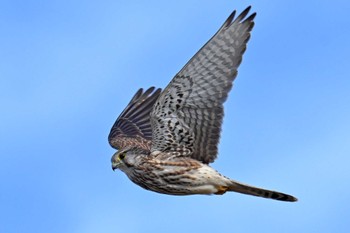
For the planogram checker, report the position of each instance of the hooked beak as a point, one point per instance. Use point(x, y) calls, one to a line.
point(116, 164)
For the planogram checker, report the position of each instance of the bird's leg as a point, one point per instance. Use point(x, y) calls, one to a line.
point(221, 190)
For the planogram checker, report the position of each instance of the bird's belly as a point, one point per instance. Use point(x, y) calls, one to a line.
point(182, 181)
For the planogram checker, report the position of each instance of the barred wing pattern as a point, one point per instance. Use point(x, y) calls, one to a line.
point(133, 126)
point(187, 117)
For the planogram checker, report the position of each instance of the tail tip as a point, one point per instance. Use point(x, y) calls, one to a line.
point(286, 197)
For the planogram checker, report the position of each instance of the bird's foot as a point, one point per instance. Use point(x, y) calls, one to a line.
point(221, 190)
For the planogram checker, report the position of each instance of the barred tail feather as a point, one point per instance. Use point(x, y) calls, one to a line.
point(251, 190)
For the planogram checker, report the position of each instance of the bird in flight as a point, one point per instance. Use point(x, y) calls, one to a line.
point(167, 139)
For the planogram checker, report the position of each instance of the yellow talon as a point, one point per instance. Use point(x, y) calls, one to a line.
point(221, 190)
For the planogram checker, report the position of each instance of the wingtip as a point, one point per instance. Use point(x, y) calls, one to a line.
point(149, 91)
point(229, 19)
point(158, 91)
point(244, 14)
point(152, 90)
point(250, 17)
point(239, 18)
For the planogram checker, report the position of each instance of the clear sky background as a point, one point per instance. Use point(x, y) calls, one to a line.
point(68, 68)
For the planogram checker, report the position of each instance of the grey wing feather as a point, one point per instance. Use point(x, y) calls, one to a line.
point(187, 117)
point(133, 126)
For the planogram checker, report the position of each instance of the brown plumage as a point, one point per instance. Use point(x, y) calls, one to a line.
point(166, 139)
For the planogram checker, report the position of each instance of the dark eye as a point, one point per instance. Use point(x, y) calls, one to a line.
point(122, 156)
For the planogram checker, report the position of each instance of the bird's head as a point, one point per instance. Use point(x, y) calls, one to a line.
point(125, 159)
point(118, 160)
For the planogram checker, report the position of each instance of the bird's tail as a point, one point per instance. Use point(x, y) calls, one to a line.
point(251, 190)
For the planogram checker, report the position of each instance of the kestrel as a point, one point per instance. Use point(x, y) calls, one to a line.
point(166, 139)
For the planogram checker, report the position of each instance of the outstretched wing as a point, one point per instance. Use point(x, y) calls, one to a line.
point(133, 126)
point(187, 117)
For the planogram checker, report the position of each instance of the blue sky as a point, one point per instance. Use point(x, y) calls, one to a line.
point(68, 68)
